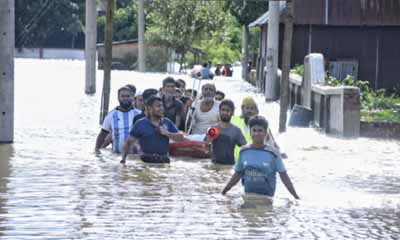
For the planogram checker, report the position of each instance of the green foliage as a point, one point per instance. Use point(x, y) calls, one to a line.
point(298, 69)
point(246, 12)
point(375, 105)
point(48, 23)
point(124, 22)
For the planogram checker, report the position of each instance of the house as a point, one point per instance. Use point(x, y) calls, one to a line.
point(356, 37)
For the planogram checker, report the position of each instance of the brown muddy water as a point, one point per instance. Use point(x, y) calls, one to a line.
point(53, 185)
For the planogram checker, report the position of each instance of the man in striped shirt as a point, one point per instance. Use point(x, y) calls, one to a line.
point(118, 121)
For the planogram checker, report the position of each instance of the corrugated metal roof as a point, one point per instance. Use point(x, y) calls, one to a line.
point(265, 17)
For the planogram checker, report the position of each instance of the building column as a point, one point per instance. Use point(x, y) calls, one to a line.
point(90, 46)
point(141, 45)
point(7, 39)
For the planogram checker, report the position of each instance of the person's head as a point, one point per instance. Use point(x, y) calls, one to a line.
point(139, 101)
point(189, 92)
point(125, 97)
point(169, 86)
point(258, 129)
point(148, 93)
point(205, 65)
point(226, 110)
point(154, 107)
point(181, 84)
point(219, 96)
point(249, 108)
point(178, 93)
point(208, 91)
point(132, 88)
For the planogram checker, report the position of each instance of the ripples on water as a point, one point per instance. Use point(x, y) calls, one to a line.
point(53, 185)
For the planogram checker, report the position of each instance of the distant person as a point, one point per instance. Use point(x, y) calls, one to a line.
point(258, 164)
point(218, 71)
point(153, 133)
point(219, 95)
point(206, 111)
point(205, 72)
point(227, 71)
point(191, 93)
point(229, 136)
point(138, 101)
point(118, 121)
point(172, 107)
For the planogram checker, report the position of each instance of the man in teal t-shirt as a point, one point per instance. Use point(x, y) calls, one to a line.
point(258, 164)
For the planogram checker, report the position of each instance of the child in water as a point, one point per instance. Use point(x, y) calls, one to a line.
point(258, 164)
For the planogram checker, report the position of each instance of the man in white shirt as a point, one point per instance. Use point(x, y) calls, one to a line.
point(118, 121)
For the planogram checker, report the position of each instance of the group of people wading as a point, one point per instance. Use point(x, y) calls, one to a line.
point(145, 123)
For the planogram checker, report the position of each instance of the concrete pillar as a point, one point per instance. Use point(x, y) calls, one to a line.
point(314, 73)
point(7, 39)
point(141, 45)
point(271, 79)
point(245, 52)
point(90, 46)
point(351, 112)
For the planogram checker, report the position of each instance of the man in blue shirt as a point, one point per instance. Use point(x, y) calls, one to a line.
point(258, 164)
point(153, 133)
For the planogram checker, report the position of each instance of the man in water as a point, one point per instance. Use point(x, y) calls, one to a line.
point(258, 164)
point(138, 101)
point(118, 121)
point(153, 133)
point(146, 95)
point(229, 136)
point(249, 109)
point(172, 107)
point(206, 111)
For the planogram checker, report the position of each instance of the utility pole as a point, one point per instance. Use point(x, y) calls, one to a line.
point(7, 39)
point(141, 52)
point(271, 79)
point(245, 48)
point(105, 97)
point(287, 54)
point(90, 46)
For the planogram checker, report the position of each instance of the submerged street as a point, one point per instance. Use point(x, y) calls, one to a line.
point(54, 186)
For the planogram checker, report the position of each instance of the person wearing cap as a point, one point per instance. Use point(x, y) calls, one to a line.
point(259, 163)
point(249, 109)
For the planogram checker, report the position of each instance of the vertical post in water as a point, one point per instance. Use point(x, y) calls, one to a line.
point(245, 48)
point(90, 46)
point(141, 52)
point(105, 97)
point(7, 38)
point(287, 54)
point(271, 79)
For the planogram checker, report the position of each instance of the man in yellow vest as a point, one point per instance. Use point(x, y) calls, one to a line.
point(249, 110)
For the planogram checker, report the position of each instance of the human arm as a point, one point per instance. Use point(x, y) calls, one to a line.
point(131, 140)
point(288, 184)
point(174, 136)
point(100, 139)
point(107, 140)
point(232, 182)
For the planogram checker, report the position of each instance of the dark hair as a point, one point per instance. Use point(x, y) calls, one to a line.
point(151, 100)
point(180, 82)
point(168, 80)
point(228, 103)
point(192, 91)
point(220, 93)
point(209, 85)
point(124, 88)
point(148, 93)
point(258, 121)
point(184, 99)
point(132, 88)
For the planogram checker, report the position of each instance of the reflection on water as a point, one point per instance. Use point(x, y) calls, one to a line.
point(53, 186)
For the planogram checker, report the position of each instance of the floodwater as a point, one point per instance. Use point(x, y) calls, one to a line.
point(53, 185)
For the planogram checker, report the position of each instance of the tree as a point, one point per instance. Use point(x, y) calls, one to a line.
point(48, 22)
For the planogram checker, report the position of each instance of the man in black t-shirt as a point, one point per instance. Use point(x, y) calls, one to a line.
point(172, 106)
